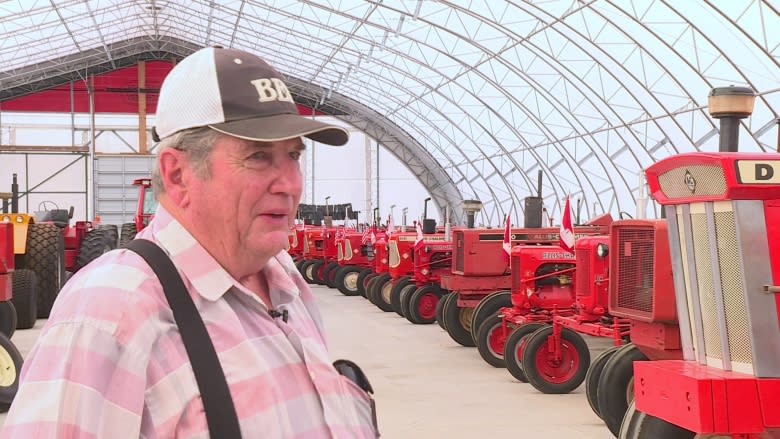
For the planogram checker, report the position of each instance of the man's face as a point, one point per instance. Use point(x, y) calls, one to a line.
point(246, 206)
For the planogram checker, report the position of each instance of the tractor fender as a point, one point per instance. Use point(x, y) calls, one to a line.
point(21, 222)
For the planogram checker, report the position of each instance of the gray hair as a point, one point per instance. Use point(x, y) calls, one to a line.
point(196, 143)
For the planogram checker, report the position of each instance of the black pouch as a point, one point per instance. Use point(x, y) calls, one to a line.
point(354, 373)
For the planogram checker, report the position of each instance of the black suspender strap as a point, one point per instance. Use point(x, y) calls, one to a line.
point(217, 402)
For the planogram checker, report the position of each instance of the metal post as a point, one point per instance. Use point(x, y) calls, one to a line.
point(91, 157)
point(729, 134)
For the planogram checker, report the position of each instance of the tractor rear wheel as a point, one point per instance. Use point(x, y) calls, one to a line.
point(405, 296)
point(491, 338)
point(8, 318)
point(422, 304)
point(395, 293)
point(371, 288)
point(347, 280)
point(126, 234)
point(593, 375)
point(95, 243)
point(112, 233)
point(549, 374)
point(616, 385)
point(382, 290)
point(513, 349)
point(25, 296)
point(329, 274)
point(458, 322)
point(361, 280)
point(317, 269)
point(307, 271)
point(46, 257)
point(489, 306)
point(299, 264)
point(639, 425)
point(440, 310)
point(10, 366)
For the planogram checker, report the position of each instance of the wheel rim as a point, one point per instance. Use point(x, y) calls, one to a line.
point(350, 281)
point(520, 347)
point(7, 369)
point(309, 272)
point(387, 287)
point(464, 316)
point(630, 391)
point(557, 370)
point(426, 306)
point(497, 341)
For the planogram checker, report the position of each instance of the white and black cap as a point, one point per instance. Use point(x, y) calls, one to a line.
point(236, 93)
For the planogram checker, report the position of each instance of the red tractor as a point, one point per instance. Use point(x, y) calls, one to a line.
point(723, 212)
point(356, 255)
point(419, 300)
point(11, 280)
point(144, 211)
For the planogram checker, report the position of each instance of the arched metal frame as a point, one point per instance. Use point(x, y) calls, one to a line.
point(473, 99)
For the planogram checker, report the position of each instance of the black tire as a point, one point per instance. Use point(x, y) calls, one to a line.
point(489, 306)
point(308, 271)
point(490, 341)
point(395, 293)
point(367, 280)
point(329, 274)
point(25, 296)
point(317, 269)
point(638, 425)
point(440, 310)
point(299, 264)
point(457, 321)
point(382, 296)
point(361, 281)
point(422, 304)
point(370, 289)
point(404, 297)
point(127, 233)
point(513, 349)
point(346, 280)
point(593, 375)
point(46, 257)
point(555, 378)
point(8, 319)
point(615, 389)
point(10, 365)
point(95, 243)
point(112, 233)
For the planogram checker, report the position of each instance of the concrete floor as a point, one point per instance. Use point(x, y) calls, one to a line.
point(427, 386)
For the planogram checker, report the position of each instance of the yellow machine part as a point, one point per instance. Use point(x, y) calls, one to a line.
point(21, 222)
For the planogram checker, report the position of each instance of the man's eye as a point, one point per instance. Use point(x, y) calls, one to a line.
point(260, 155)
point(296, 155)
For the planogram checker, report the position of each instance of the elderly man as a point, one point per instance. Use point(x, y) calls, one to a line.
point(111, 361)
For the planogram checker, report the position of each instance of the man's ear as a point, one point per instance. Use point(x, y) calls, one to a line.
point(176, 172)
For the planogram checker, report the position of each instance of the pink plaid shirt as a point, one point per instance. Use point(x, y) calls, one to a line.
point(110, 362)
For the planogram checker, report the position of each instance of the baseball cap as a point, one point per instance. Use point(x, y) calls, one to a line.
point(236, 93)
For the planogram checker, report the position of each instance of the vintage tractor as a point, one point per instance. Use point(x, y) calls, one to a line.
point(144, 212)
point(419, 300)
point(313, 253)
point(355, 256)
point(723, 213)
point(10, 358)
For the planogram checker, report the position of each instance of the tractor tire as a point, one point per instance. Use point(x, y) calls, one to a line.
point(422, 304)
point(639, 425)
point(8, 318)
point(514, 347)
point(395, 293)
point(405, 296)
point(317, 269)
point(383, 290)
point(616, 385)
point(440, 309)
point(10, 366)
point(593, 375)
point(489, 306)
point(308, 271)
point(361, 280)
point(458, 322)
point(329, 274)
point(127, 233)
point(46, 257)
point(552, 376)
point(95, 243)
point(370, 288)
point(299, 264)
point(490, 340)
point(347, 280)
point(112, 233)
point(25, 296)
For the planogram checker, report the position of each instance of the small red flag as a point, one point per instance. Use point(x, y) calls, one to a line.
point(419, 240)
point(566, 240)
point(507, 245)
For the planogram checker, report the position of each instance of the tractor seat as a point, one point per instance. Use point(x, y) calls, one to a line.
point(59, 217)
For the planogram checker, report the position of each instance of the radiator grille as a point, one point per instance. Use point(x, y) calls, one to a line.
point(339, 253)
point(635, 269)
point(348, 250)
point(459, 251)
point(294, 239)
point(394, 257)
point(706, 180)
point(305, 244)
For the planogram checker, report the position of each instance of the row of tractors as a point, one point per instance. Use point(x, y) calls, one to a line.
point(38, 253)
point(532, 312)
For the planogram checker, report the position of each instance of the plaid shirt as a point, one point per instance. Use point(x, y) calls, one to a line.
point(110, 361)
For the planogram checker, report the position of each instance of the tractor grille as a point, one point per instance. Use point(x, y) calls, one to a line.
point(339, 253)
point(294, 239)
point(716, 298)
point(708, 180)
point(393, 257)
point(635, 270)
point(305, 244)
point(347, 250)
point(459, 251)
point(584, 274)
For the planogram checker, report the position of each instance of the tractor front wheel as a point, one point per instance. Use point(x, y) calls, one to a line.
point(382, 295)
point(395, 293)
point(10, 366)
point(458, 322)
point(25, 296)
point(513, 349)
point(8, 318)
point(491, 338)
point(440, 309)
point(422, 304)
point(616, 385)
point(405, 296)
point(347, 280)
point(593, 376)
point(639, 425)
point(551, 372)
point(489, 306)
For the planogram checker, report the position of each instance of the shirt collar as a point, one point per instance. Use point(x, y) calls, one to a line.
point(207, 277)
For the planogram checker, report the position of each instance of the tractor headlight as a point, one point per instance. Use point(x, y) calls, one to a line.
point(6, 219)
point(602, 250)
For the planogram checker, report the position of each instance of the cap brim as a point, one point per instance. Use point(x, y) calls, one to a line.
point(283, 127)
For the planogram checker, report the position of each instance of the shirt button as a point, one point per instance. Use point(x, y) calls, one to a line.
point(312, 375)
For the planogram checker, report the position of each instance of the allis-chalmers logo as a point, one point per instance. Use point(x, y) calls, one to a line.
point(690, 181)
